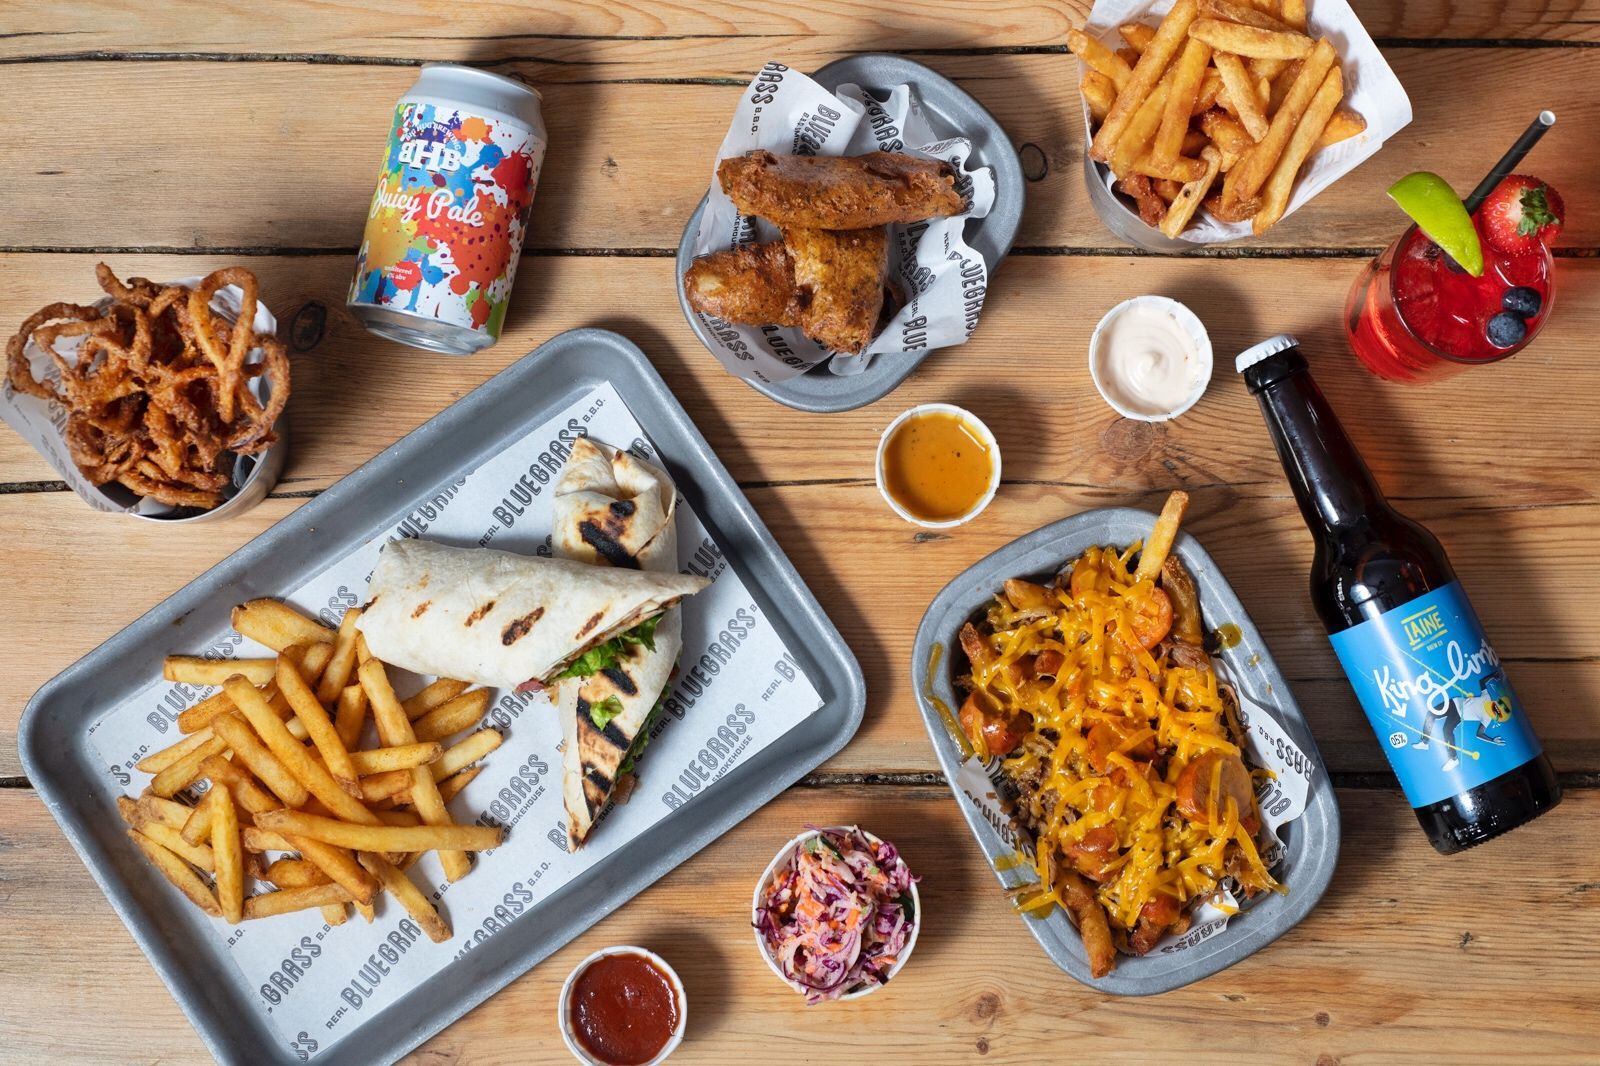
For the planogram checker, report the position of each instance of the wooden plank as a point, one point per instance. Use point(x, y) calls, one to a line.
point(356, 394)
point(1359, 981)
point(286, 156)
point(584, 34)
point(875, 575)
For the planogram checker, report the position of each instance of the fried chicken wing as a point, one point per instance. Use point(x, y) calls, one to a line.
point(753, 285)
point(839, 276)
point(840, 192)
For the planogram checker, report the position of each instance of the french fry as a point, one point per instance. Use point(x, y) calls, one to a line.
point(1098, 93)
point(1227, 135)
point(1137, 34)
point(339, 865)
point(1140, 130)
point(258, 839)
point(193, 719)
point(1275, 194)
point(1183, 205)
point(1210, 87)
point(313, 659)
point(288, 900)
point(1159, 542)
point(295, 873)
point(1242, 13)
point(450, 718)
point(367, 913)
point(196, 828)
point(1180, 170)
point(1167, 189)
point(1244, 181)
point(440, 692)
point(1098, 57)
point(1250, 41)
point(334, 913)
point(342, 663)
point(314, 778)
point(363, 653)
point(199, 855)
point(125, 807)
point(382, 786)
point(246, 793)
point(404, 757)
point(1282, 84)
point(1129, 56)
point(451, 786)
point(351, 715)
point(311, 713)
point(158, 761)
point(381, 837)
point(195, 670)
point(1266, 70)
point(1341, 127)
point(1152, 65)
point(409, 896)
point(1242, 94)
point(1139, 187)
point(183, 773)
point(395, 729)
point(1193, 142)
point(1294, 13)
point(154, 808)
point(260, 761)
point(229, 853)
point(1179, 107)
point(178, 872)
point(277, 625)
point(466, 752)
point(254, 868)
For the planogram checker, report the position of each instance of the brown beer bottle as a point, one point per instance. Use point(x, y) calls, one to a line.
point(1432, 686)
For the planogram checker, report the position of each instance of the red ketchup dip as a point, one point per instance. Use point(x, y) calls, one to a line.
point(623, 1009)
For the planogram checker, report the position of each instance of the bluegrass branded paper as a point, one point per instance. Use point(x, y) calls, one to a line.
point(736, 692)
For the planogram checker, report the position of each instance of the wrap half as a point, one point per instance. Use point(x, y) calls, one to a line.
point(499, 619)
point(613, 509)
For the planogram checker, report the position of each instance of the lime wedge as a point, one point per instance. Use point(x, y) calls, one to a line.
point(1436, 209)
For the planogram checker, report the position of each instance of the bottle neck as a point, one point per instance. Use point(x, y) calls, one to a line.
point(1332, 484)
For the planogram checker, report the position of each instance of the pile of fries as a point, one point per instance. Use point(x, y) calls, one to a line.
point(157, 393)
point(1221, 87)
point(279, 744)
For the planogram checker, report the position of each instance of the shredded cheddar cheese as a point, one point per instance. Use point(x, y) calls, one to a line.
point(1109, 736)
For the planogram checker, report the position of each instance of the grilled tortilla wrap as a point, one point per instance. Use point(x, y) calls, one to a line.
point(500, 619)
point(613, 509)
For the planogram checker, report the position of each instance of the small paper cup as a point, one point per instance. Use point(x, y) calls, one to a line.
point(1199, 374)
point(564, 1005)
point(781, 859)
point(983, 434)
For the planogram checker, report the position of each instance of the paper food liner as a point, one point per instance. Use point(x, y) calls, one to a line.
point(942, 277)
point(1281, 799)
point(42, 423)
point(737, 691)
point(1371, 89)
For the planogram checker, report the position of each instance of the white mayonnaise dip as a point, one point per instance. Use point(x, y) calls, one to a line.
point(1145, 361)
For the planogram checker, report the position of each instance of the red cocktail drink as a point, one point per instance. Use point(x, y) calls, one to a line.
point(1414, 315)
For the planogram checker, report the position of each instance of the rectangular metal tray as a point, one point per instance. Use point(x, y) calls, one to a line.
point(60, 761)
point(1311, 842)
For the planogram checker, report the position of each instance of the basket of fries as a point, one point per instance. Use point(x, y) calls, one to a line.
point(160, 400)
point(1210, 120)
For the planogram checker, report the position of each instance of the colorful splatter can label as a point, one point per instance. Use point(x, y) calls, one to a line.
point(448, 218)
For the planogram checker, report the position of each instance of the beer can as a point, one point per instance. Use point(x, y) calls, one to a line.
point(450, 211)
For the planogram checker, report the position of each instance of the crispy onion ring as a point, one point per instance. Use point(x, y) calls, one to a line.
point(157, 391)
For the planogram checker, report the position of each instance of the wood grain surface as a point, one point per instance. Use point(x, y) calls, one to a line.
point(169, 139)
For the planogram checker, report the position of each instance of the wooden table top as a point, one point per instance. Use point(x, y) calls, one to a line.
point(169, 139)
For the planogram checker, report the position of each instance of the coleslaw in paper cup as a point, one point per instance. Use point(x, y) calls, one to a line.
point(943, 279)
point(1371, 90)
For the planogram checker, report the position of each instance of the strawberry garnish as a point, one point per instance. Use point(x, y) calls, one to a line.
point(1521, 214)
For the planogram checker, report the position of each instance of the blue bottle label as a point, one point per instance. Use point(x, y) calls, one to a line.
point(1436, 695)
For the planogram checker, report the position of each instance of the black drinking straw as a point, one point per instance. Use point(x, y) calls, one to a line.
point(1511, 160)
